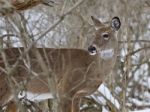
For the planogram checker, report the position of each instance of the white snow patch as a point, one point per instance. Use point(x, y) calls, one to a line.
point(138, 103)
point(104, 109)
point(99, 99)
point(145, 110)
point(118, 89)
point(106, 92)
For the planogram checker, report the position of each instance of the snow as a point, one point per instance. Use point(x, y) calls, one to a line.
point(145, 110)
point(106, 92)
point(138, 102)
point(104, 109)
point(99, 99)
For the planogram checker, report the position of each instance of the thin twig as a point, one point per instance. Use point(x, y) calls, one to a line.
point(9, 35)
point(134, 41)
point(138, 50)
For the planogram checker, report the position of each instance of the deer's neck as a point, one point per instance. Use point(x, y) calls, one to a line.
point(106, 60)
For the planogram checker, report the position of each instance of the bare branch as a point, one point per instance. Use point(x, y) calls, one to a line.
point(134, 41)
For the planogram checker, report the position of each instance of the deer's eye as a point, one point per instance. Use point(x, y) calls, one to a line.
point(105, 36)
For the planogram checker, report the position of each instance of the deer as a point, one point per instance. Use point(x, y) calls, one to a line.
point(77, 72)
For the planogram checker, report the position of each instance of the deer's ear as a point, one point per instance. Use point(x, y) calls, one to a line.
point(96, 22)
point(115, 23)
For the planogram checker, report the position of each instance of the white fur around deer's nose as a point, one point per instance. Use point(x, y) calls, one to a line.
point(92, 50)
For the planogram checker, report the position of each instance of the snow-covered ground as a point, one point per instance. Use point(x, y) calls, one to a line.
point(144, 110)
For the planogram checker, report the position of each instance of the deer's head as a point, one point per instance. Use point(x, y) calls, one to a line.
point(105, 41)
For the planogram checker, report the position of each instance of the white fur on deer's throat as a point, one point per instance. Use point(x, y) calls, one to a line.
point(107, 54)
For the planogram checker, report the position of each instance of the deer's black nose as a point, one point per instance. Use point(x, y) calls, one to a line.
point(92, 49)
